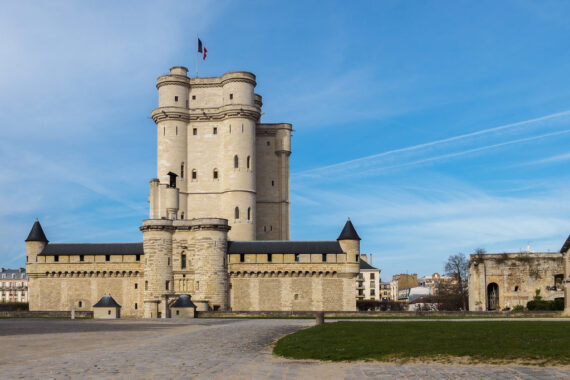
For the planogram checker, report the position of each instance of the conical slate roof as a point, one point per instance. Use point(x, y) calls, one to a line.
point(183, 301)
point(37, 233)
point(107, 301)
point(348, 232)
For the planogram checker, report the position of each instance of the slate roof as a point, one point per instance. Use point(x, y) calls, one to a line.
point(566, 245)
point(365, 265)
point(183, 301)
point(107, 301)
point(283, 246)
point(348, 232)
point(93, 249)
point(19, 274)
point(37, 233)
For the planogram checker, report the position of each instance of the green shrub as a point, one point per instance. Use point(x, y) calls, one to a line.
point(539, 304)
point(518, 308)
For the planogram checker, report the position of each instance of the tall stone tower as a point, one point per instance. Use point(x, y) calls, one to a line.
point(228, 164)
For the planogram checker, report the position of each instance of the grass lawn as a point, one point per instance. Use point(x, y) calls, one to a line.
point(491, 342)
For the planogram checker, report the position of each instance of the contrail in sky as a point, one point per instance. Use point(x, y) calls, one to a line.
point(438, 142)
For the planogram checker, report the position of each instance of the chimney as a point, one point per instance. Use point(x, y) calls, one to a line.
point(370, 259)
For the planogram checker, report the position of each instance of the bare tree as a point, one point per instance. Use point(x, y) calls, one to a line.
point(457, 266)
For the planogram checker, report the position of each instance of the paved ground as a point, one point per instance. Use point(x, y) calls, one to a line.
point(201, 349)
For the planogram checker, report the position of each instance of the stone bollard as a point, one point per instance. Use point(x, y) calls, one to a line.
point(320, 316)
point(73, 312)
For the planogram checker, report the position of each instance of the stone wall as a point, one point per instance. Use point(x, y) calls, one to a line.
point(517, 277)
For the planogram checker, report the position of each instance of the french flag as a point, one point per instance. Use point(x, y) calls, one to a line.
point(202, 49)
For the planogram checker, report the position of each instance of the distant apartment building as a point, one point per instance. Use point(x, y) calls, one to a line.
point(402, 281)
point(14, 285)
point(368, 280)
point(435, 282)
point(385, 291)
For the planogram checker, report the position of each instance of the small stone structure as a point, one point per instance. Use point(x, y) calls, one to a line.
point(183, 307)
point(107, 308)
point(504, 280)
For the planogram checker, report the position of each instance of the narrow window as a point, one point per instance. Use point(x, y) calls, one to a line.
point(215, 174)
point(264, 229)
point(146, 285)
point(182, 215)
point(177, 130)
point(215, 130)
point(136, 285)
point(81, 258)
point(176, 98)
point(236, 213)
point(516, 288)
point(193, 97)
point(242, 128)
point(194, 174)
point(56, 258)
point(296, 257)
point(357, 258)
point(231, 96)
point(249, 213)
point(80, 304)
point(136, 306)
point(107, 257)
point(177, 312)
point(248, 162)
point(138, 258)
point(236, 161)
point(168, 261)
point(182, 170)
point(269, 257)
point(197, 285)
point(108, 312)
point(270, 228)
point(183, 261)
point(268, 143)
point(194, 131)
point(241, 257)
point(166, 284)
point(324, 257)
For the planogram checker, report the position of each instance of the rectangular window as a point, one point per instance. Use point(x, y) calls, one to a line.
point(296, 257)
point(357, 258)
point(166, 285)
point(372, 276)
point(107, 257)
point(136, 285)
point(372, 292)
point(324, 257)
point(231, 96)
point(183, 261)
point(146, 285)
point(138, 257)
point(176, 98)
point(269, 257)
point(193, 97)
point(215, 130)
point(81, 258)
point(241, 257)
point(194, 131)
point(136, 306)
point(56, 258)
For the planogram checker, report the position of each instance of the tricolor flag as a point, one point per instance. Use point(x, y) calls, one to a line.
point(202, 49)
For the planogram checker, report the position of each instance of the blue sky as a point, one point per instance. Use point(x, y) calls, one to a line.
point(438, 127)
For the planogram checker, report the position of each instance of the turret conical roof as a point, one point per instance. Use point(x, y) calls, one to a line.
point(37, 233)
point(348, 232)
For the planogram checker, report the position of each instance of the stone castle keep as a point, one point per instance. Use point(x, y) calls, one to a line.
point(218, 224)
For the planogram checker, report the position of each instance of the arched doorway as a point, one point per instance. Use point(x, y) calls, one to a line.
point(492, 296)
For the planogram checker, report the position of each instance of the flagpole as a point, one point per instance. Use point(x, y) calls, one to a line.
point(197, 37)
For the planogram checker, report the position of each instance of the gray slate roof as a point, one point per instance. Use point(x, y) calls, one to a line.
point(93, 249)
point(37, 233)
point(365, 265)
point(107, 301)
point(19, 274)
point(183, 301)
point(283, 246)
point(348, 232)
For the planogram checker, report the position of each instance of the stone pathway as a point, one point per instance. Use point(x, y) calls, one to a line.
point(196, 349)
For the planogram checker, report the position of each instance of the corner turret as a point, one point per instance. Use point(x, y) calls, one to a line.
point(350, 242)
point(35, 242)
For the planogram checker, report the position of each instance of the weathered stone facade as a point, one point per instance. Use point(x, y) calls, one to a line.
point(505, 280)
point(222, 180)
